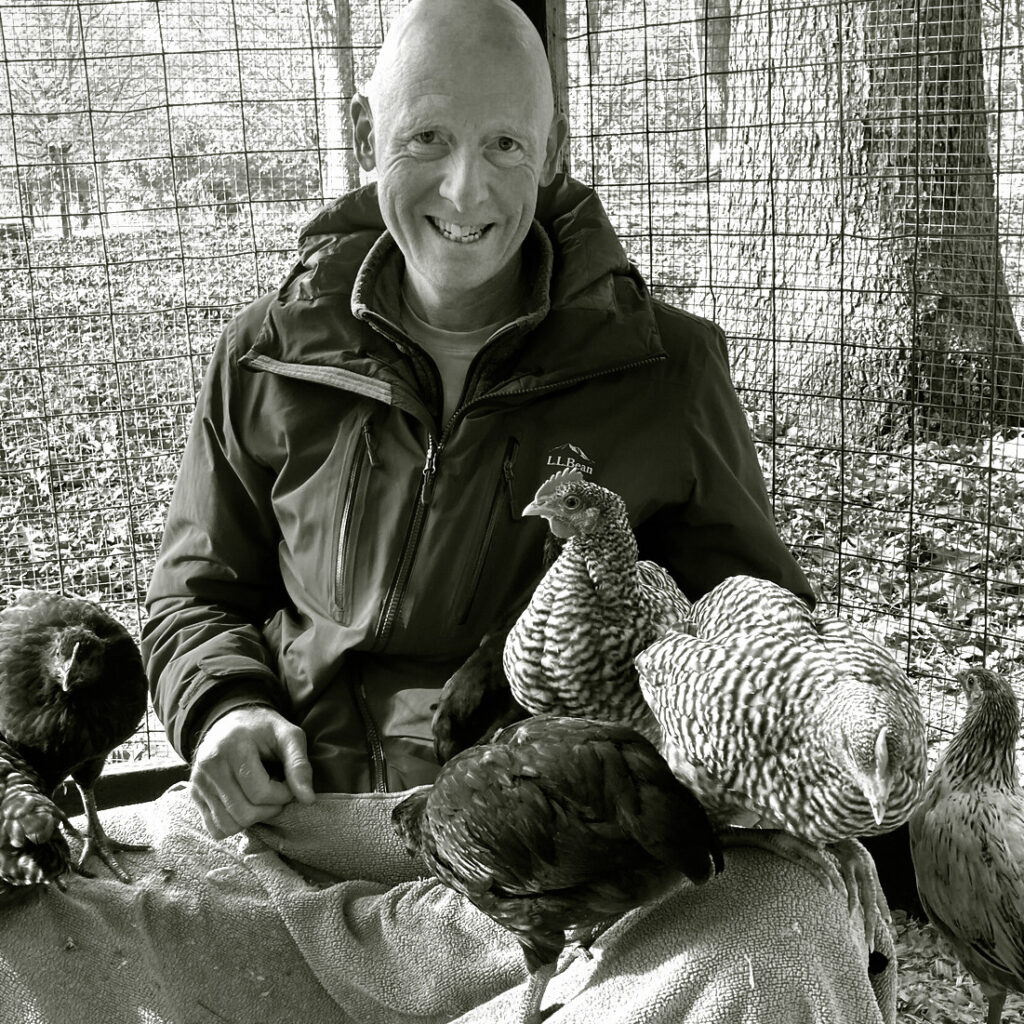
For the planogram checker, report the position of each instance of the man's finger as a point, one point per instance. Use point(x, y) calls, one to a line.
point(298, 772)
point(255, 785)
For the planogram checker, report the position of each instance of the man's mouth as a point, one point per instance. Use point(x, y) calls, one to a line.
point(462, 233)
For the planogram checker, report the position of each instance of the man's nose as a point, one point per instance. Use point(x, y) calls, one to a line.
point(465, 180)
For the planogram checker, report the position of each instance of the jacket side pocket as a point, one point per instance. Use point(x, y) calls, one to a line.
point(364, 458)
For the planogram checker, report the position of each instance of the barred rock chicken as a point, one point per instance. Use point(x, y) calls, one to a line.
point(72, 688)
point(559, 825)
point(783, 720)
point(571, 651)
point(967, 841)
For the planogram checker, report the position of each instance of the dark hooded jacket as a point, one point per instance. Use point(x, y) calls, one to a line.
point(334, 550)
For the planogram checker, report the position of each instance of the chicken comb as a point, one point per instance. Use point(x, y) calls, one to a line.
point(563, 476)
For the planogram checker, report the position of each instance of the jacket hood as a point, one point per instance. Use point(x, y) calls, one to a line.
point(336, 313)
point(570, 213)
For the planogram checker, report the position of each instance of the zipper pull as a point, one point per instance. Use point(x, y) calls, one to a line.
point(371, 447)
point(429, 471)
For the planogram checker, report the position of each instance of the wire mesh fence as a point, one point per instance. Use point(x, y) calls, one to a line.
point(840, 185)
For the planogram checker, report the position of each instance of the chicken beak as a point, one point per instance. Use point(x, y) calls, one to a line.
point(537, 508)
point(878, 785)
point(66, 669)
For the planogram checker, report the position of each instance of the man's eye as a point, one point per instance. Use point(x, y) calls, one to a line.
point(425, 138)
point(507, 145)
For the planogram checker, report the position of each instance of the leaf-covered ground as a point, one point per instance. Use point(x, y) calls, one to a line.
point(933, 987)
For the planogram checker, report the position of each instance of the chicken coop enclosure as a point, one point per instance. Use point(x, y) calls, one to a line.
point(840, 185)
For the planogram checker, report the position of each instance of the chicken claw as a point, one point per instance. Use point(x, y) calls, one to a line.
point(855, 875)
point(96, 841)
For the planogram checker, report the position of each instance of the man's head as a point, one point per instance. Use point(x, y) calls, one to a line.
point(458, 121)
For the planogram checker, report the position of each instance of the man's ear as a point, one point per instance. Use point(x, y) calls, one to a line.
point(362, 132)
point(553, 152)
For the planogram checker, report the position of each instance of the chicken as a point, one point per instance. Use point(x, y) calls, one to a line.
point(783, 720)
point(476, 700)
point(72, 688)
point(559, 825)
point(571, 651)
point(967, 841)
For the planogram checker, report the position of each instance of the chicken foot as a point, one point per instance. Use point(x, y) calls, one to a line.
point(855, 876)
point(535, 989)
point(96, 841)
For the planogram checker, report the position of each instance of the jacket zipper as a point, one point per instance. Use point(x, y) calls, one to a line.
point(396, 592)
point(393, 600)
point(378, 763)
point(501, 490)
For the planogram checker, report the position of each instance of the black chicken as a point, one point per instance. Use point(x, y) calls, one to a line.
point(72, 688)
point(556, 828)
point(477, 701)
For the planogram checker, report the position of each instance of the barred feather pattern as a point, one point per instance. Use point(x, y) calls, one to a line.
point(768, 724)
point(571, 651)
point(967, 838)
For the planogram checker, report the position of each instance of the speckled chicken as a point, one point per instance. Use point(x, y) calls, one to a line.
point(967, 841)
point(555, 828)
point(571, 651)
point(783, 720)
point(795, 720)
point(72, 688)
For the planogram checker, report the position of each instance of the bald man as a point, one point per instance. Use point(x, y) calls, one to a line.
point(346, 524)
point(345, 529)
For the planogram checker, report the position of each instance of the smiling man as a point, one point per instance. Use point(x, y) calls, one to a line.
point(347, 523)
point(459, 124)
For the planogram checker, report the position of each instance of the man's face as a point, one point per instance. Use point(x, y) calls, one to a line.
point(460, 147)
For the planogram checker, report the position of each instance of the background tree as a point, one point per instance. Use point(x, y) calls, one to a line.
point(67, 109)
point(856, 224)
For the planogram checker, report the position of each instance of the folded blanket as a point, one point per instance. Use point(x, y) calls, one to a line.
point(323, 918)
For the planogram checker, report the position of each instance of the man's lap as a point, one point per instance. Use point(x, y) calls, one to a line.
point(228, 930)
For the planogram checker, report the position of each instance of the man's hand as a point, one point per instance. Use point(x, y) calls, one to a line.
point(229, 780)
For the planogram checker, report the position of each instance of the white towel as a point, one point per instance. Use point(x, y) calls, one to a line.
point(324, 919)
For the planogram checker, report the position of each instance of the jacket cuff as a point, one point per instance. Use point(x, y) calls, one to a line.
point(224, 682)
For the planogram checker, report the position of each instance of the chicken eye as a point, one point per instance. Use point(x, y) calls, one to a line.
point(572, 502)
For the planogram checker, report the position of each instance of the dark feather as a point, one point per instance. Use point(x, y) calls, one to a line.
point(72, 687)
point(558, 825)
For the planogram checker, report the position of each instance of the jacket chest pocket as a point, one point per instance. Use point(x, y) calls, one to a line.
point(351, 504)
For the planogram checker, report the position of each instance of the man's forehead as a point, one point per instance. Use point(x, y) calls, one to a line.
point(483, 107)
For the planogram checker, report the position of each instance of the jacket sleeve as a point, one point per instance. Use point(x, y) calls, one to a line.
point(216, 578)
point(726, 527)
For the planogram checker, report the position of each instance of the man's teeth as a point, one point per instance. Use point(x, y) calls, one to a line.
point(459, 232)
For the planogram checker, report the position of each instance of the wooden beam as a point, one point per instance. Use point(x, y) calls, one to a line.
point(127, 784)
point(548, 16)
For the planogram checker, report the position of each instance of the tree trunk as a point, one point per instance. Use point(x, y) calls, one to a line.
point(711, 29)
point(855, 252)
point(337, 84)
point(62, 181)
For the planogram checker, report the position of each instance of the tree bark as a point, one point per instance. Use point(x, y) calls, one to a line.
point(855, 250)
point(711, 28)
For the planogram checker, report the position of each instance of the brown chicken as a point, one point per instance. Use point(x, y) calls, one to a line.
point(556, 828)
point(72, 688)
point(967, 841)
